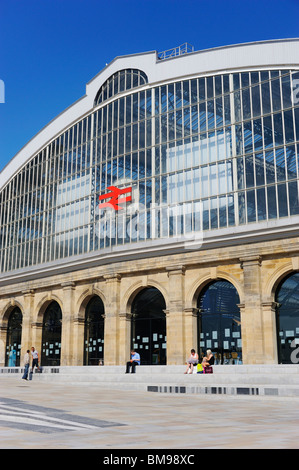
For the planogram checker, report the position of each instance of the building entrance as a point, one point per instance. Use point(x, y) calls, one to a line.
point(219, 323)
point(51, 339)
point(148, 327)
point(13, 339)
point(94, 333)
point(287, 320)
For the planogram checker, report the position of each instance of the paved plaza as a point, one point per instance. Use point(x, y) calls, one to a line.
point(36, 415)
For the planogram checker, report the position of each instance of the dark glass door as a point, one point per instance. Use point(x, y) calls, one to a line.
point(51, 338)
point(13, 339)
point(94, 333)
point(287, 314)
point(148, 330)
point(219, 323)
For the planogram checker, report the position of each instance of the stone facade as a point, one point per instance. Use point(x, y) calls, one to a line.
point(255, 270)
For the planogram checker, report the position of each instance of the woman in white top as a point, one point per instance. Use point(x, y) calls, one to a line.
point(192, 361)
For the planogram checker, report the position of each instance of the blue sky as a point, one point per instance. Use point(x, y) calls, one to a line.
point(51, 48)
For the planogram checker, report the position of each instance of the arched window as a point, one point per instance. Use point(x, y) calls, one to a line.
point(13, 339)
point(219, 323)
point(120, 81)
point(51, 339)
point(94, 332)
point(287, 319)
point(148, 327)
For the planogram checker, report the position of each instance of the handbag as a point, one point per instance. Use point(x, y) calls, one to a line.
point(200, 369)
point(208, 370)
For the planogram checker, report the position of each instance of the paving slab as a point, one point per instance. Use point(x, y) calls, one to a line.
point(40, 415)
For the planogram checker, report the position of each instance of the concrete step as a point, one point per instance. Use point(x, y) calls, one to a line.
point(275, 380)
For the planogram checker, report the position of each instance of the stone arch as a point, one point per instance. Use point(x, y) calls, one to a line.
point(84, 299)
point(275, 279)
point(6, 311)
point(199, 285)
point(43, 305)
point(137, 287)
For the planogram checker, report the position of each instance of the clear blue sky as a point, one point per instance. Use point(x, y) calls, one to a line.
point(49, 49)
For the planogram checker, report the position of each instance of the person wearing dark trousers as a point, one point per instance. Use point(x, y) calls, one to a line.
point(135, 361)
point(26, 365)
point(35, 357)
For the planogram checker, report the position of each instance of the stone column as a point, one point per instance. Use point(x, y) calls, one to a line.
point(124, 337)
point(36, 336)
point(270, 332)
point(112, 334)
point(3, 336)
point(175, 327)
point(78, 341)
point(190, 328)
point(252, 315)
point(28, 296)
point(66, 358)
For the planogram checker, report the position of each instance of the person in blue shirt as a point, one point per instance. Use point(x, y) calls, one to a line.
point(135, 361)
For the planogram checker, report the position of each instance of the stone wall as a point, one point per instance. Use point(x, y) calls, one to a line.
point(255, 270)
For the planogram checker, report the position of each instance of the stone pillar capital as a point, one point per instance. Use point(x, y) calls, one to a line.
point(252, 260)
point(112, 277)
point(191, 311)
point(68, 285)
point(28, 292)
point(125, 316)
point(175, 269)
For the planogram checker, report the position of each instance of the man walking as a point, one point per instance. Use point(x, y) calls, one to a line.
point(34, 355)
point(26, 365)
point(135, 361)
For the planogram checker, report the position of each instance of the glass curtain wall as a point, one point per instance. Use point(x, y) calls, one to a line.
point(204, 153)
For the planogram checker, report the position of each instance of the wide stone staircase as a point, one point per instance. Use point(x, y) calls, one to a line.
point(270, 380)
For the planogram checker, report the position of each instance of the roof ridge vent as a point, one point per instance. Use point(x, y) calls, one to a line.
point(176, 51)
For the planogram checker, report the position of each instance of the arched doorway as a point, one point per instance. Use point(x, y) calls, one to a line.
point(219, 323)
point(287, 319)
point(51, 338)
point(94, 332)
point(13, 338)
point(148, 326)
